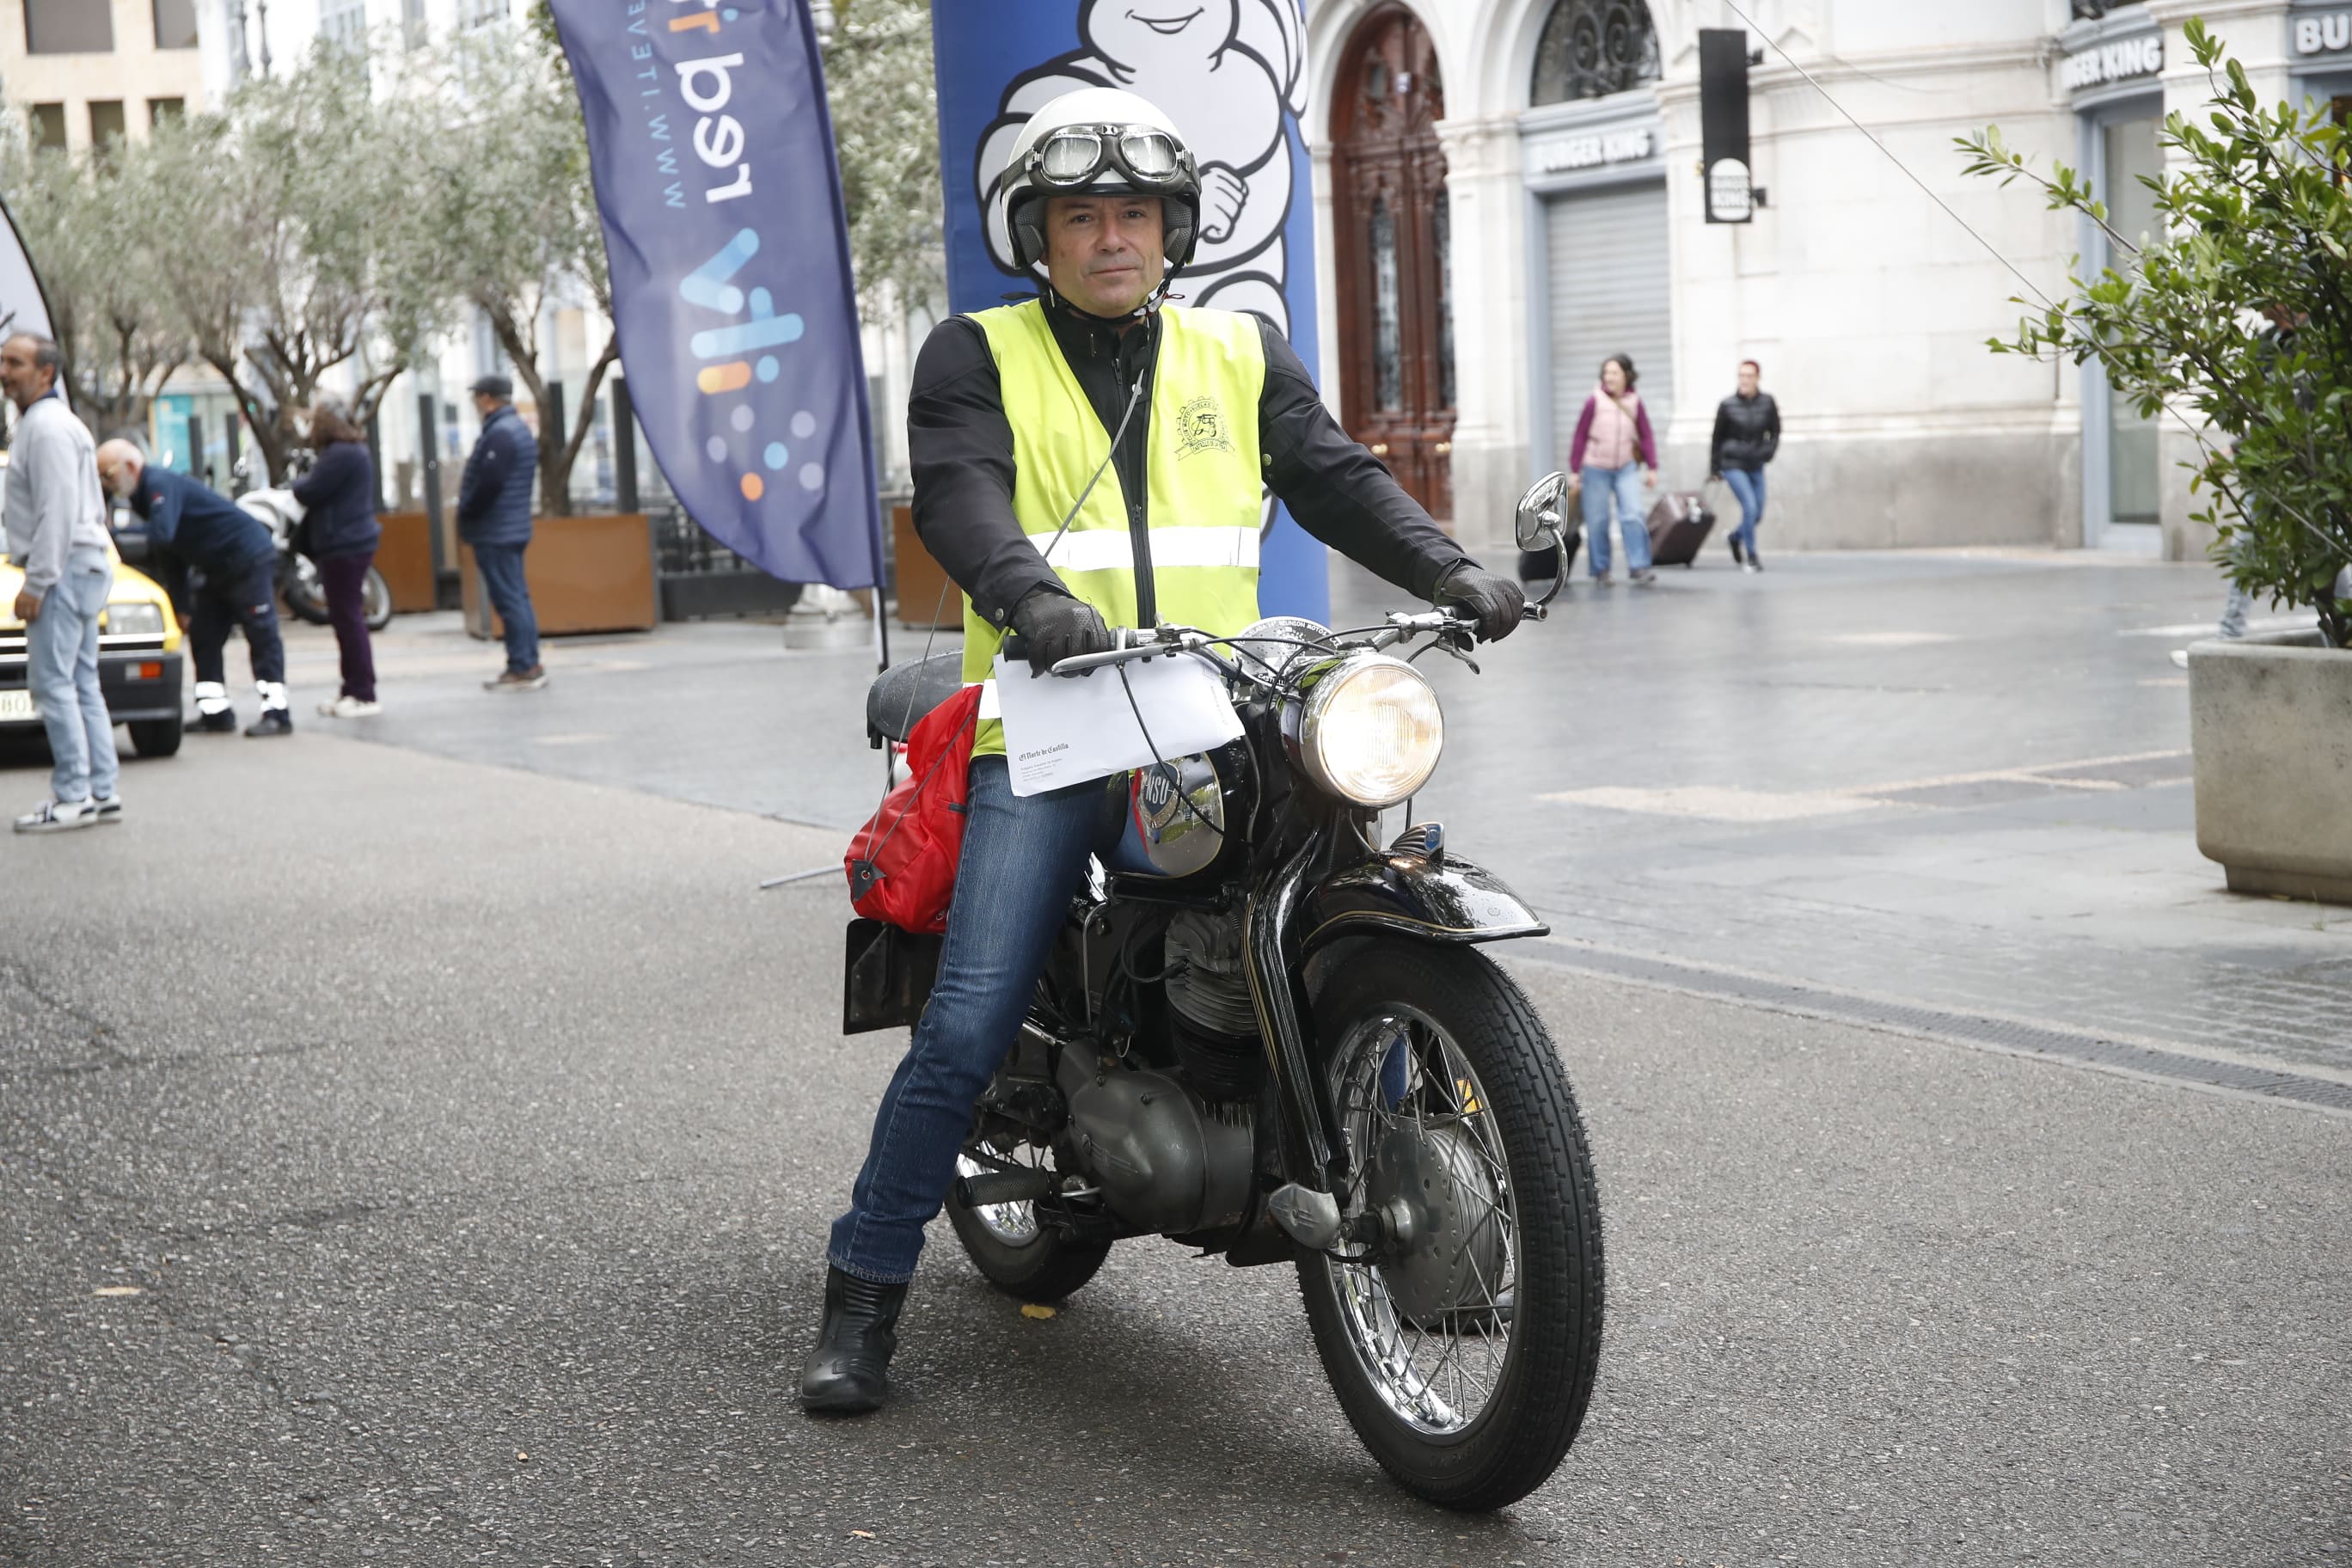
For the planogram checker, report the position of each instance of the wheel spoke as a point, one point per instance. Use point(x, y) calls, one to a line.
point(1396, 1073)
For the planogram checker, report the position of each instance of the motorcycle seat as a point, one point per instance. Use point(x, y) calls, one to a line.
point(901, 695)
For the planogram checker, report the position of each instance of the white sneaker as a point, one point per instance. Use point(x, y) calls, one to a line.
point(348, 707)
point(58, 816)
point(106, 808)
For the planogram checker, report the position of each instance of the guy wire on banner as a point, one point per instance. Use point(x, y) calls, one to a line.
point(1990, 249)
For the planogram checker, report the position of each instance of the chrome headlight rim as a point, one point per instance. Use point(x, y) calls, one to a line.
point(1324, 687)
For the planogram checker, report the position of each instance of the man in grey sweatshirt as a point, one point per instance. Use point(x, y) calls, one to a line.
point(56, 517)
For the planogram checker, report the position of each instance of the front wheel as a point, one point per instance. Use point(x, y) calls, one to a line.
point(154, 737)
point(1462, 1344)
point(305, 595)
point(376, 600)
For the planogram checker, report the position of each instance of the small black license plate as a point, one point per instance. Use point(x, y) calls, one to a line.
point(886, 976)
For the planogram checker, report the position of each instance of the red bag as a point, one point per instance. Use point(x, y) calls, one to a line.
point(902, 863)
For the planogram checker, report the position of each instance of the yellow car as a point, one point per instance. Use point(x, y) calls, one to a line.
point(138, 660)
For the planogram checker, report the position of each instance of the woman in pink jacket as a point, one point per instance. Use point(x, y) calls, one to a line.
point(1612, 452)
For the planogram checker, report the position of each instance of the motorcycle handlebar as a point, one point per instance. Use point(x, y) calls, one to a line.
point(1130, 639)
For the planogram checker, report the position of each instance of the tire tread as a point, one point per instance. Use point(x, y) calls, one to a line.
point(1552, 1168)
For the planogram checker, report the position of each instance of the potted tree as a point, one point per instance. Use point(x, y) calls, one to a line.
point(2236, 323)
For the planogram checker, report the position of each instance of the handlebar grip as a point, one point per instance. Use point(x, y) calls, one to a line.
point(1016, 647)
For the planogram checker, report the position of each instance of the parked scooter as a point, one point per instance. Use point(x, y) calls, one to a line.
point(298, 577)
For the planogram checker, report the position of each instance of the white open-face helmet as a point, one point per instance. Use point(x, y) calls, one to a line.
point(1100, 142)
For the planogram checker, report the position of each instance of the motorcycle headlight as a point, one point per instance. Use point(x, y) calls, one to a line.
point(133, 618)
point(1370, 730)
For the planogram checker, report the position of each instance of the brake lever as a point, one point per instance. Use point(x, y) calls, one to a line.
point(1446, 641)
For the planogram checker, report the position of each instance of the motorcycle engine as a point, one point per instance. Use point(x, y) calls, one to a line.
point(1166, 1160)
point(1214, 1024)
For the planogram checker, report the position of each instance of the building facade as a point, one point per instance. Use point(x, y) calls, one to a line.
point(1509, 191)
point(85, 72)
point(245, 39)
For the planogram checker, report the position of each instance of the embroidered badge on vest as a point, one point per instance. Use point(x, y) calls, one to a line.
point(1201, 427)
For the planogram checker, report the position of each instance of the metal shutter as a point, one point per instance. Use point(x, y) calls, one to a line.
point(1610, 290)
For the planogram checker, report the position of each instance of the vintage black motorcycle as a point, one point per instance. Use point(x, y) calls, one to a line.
point(1266, 1033)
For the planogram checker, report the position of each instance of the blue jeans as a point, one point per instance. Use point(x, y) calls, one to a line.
point(61, 656)
point(509, 592)
point(1747, 484)
point(1623, 486)
point(1023, 859)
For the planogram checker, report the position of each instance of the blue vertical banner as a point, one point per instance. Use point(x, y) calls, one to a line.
point(712, 155)
point(1233, 75)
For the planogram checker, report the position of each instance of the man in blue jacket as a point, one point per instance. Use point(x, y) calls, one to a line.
point(219, 564)
point(494, 518)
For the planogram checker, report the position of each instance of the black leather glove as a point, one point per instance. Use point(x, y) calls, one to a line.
point(1494, 603)
point(1054, 627)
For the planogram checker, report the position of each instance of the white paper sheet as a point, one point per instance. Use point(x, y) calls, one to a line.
point(1059, 732)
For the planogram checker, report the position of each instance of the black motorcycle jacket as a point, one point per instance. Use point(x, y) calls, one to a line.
point(960, 447)
point(1746, 432)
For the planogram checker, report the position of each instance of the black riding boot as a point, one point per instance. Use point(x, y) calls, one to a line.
point(844, 1373)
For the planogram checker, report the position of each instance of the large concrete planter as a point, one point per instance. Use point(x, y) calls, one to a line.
point(2270, 718)
point(590, 572)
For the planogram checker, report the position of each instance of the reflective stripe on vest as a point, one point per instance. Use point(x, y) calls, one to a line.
point(1202, 470)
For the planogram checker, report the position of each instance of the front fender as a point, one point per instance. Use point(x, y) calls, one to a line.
point(1441, 899)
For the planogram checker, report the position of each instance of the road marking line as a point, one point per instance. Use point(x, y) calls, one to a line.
point(1719, 803)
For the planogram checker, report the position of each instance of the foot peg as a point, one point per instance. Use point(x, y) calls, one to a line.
point(990, 1188)
point(1308, 1217)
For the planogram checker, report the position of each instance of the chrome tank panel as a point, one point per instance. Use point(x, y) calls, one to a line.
point(1177, 814)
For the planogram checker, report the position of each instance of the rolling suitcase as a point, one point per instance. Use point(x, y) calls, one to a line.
point(1679, 524)
point(1542, 565)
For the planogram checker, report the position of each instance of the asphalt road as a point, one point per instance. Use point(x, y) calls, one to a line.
point(407, 1159)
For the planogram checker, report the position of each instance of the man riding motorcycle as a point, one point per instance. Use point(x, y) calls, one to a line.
point(1009, 419)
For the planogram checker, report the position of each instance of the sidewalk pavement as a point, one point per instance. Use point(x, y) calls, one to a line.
point(1947, 785)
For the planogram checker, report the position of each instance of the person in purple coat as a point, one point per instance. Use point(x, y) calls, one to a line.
point(339, 498)
point(1613, 454)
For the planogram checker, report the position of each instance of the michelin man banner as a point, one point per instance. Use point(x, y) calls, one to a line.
point(1233, 75)
point(712, 155)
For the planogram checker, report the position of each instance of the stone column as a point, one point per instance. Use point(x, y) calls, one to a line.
point(1327, 276)
point(1487, 208)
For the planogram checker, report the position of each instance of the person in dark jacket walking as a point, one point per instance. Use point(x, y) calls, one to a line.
point(340, 533)
point(494, 518)
point(1747, 435)
point(219, 565)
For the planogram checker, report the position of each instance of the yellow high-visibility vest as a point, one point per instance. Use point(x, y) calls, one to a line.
point(1201, 467)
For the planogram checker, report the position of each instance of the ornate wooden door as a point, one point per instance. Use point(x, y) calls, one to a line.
point(1390, 219)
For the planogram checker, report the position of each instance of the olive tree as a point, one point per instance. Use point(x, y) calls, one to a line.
point(880, 87)
point(2236, 319)
point(517, 218)
point(883, 99)
point(82, 221)
point(295, 240)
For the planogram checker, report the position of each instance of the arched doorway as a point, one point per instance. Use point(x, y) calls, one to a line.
point(1390, 216)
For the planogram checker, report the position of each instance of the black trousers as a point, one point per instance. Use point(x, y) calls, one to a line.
point(247, 599)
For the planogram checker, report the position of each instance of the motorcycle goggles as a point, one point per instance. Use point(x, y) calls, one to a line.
point(1152, 161)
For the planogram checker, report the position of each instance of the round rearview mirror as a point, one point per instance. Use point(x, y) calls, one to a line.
point(1540, 511)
